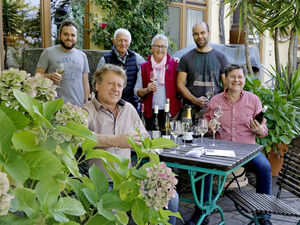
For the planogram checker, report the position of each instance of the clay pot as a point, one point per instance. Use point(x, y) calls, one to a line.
point(276, 158)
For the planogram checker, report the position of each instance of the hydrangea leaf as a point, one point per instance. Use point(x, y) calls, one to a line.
point(19, 119)
point(43, 164)
point(68, 205)
point(15, 165)
point(26, 141)
point(12, 219)
point(51, 107)
point(77, 186)
point(112, 200)
point(27, 202)
point(128, 191)
point(99, 179)
point(91, 195)
point(138, 206)
point(7, 129)
point(162, 143)
point(108, 214)
point(97, 219)
point(47, 191)
point(123, 217)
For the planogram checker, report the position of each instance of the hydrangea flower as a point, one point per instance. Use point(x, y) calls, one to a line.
point(37, 87)
point(5, 199)
point(159, 186)
point(67, 113)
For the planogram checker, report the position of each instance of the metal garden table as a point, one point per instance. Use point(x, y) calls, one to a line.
point(217, 167)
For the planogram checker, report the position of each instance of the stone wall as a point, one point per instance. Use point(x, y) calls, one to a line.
point(31, 57)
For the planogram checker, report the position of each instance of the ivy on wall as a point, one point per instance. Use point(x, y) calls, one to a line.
point(143, 18)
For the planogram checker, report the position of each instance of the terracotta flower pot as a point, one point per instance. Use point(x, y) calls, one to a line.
point(276, 158)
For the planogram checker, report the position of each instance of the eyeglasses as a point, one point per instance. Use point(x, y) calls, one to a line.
point(159, 47)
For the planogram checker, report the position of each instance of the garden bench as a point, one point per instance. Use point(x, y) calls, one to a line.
point(251, 205)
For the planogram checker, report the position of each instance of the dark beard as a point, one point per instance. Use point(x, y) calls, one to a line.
point(202, 45)
point(66, 47)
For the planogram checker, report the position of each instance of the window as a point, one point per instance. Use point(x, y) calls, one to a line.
point(182, 15)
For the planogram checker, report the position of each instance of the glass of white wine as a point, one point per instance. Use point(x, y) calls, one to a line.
point(153, 77)
point(60, 69)
point(202, 128)
point(209, 92)
point(218, 111)
point(176, 130)
point(214, 125)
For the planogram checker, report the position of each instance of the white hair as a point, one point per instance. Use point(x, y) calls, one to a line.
point(122, 31)
point(162, 37)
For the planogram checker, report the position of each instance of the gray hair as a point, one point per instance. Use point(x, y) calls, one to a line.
point(122, 31)
point(231, 67)
point(160, 36)
point(99, 74)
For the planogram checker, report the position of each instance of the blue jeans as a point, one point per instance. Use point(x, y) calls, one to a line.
point(173, 206)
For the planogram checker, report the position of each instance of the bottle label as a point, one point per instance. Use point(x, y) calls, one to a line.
point(155, 134)
point(166, 136)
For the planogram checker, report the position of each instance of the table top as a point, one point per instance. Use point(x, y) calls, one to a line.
point(243, 152)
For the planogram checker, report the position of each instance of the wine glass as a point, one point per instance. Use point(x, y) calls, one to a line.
point(186, 124)
point(176, 130)
point(60, 69)
point(218, 111)
point(153, 77)
point(209, 92)
point(202, 128)
point(214, 125)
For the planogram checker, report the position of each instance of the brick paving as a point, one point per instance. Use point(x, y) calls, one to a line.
point(232, 217)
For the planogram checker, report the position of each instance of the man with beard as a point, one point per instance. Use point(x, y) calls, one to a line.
point(73, 83)
point(200, 70)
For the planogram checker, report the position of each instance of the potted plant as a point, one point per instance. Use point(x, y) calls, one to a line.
point(283, 113)
point(39, 137)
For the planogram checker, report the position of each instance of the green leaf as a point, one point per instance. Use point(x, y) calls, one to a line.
point(77, 130)
point(138, 206)
point(51, 107)
point(162, 143)
point(108, 214)
point(15, 165)
point(99, 179)
point(47, 191)
point(97, 220)
point(26, 141)
point(71, 164)
point(77, 186)
point(285, 139)
point(11, 219)
point(123, 217)
point(112, 200)
point(7, 129)
point(128, 191)
point(43, 164)
point(27, 202)
point(91, 195)
point(67, 205)
point(19, 119)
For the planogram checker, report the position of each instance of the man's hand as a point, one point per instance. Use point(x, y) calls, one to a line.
point(55, 77)
point(152, 87)
point(121, 140)
point(201, 101)
point(258, 128)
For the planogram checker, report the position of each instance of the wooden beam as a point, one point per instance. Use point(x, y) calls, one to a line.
point(46, 23)
point(1, 40)
point(86, 35)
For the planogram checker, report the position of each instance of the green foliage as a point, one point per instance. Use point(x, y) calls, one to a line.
point(46, 183)
point(283, 114)
point(144, 19)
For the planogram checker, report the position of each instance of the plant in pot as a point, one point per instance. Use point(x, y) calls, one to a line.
point(39, 137)
point(283, 114)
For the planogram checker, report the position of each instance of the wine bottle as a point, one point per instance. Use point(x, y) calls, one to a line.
point(188, 136)
point(260, 116)
point(155, 126)
point(166, 132)
point(142, 114)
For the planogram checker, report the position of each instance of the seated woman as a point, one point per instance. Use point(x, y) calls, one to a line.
point(156, 82)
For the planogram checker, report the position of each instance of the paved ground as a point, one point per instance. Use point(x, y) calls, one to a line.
point(232, 217)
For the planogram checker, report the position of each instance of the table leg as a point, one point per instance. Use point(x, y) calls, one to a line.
point(211, 204)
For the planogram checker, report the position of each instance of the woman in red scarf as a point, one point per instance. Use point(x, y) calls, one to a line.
point(163, 86)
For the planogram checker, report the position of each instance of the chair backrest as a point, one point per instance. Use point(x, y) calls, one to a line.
point(289, 176)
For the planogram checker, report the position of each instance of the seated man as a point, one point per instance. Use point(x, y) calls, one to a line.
point(238, 124)
point(113, 120)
